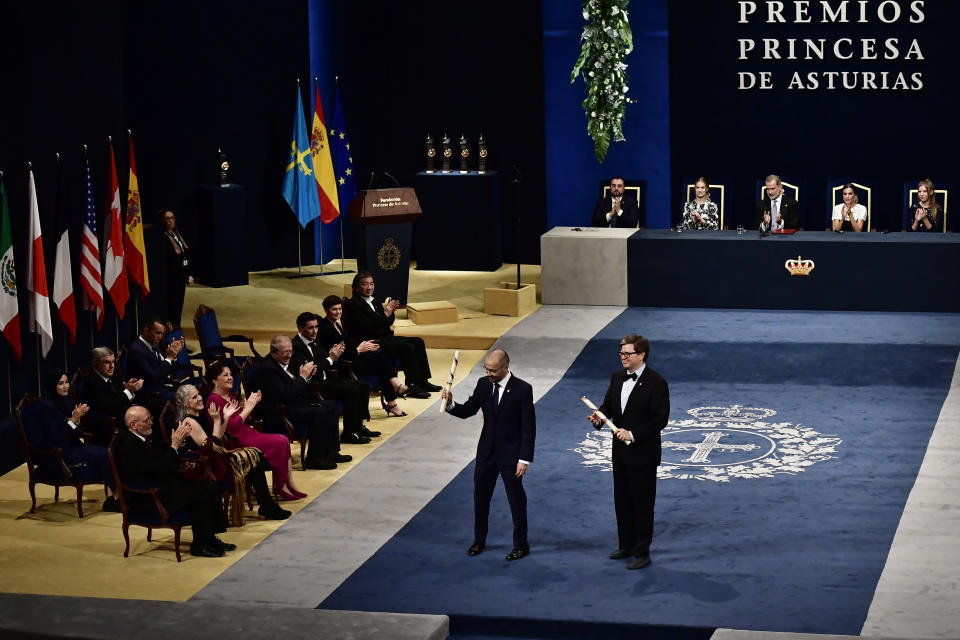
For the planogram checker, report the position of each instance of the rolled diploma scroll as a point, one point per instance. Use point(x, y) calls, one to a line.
point(453, 370)
point(605, 419)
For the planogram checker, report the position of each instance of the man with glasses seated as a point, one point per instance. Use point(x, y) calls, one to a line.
point(638, 402)
point(505, 448)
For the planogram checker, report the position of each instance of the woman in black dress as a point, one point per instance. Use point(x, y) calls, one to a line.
point(179, 267)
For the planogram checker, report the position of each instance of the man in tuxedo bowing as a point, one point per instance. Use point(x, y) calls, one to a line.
point(505, 447)
point(617, 210)
point(354, 394)
point(776, 210)
point(638, 402)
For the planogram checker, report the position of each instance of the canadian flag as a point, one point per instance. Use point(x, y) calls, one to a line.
point(37, 276)
point(114, 275)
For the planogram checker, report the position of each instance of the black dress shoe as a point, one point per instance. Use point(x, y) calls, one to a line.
point(619, 554)
point(414, 391)
point(276, 512)
point(205, 551)
point(516, 554)
point(348, 437)
point(226, 546)
point(319, 464)
point(368, 433)
point(337, 457)
point(111, 505)
point(429, 387)
point(475, 549)
point(639, 563)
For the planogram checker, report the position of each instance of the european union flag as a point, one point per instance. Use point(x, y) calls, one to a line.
point(342, 157)
point(299, 187)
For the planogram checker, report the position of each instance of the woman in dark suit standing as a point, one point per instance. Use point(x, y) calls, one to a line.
point(179, 266)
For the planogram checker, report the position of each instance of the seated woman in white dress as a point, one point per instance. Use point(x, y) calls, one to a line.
point(849, 215)
point(701, 213)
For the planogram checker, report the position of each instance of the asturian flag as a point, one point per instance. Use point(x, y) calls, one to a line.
point(115, 278)
point(9, 311)
point(342, 156)
point(299, 188)
point(90, 275)
point(135, 252)
point(62, 271)
point(322, 164)
point(37, 276)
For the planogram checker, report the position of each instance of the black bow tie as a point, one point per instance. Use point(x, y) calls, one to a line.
point(630, 376)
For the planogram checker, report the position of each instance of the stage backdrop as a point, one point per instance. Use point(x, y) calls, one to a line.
point(813, 91)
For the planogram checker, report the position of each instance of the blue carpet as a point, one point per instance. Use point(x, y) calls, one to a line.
point(794, 541)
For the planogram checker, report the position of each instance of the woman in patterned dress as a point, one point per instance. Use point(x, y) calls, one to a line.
point(701, 213)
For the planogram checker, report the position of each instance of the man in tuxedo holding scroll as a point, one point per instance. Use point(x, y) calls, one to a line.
point(638, 403)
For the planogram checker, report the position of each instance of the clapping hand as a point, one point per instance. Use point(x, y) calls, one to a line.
point(368, 345)
point(230, 409)
point(253, 400)
point(307, 369)
point(133, 385)
point(174, 348)
point(336, 351)
point(389, 306)
point(180, 433)
point(78, 412)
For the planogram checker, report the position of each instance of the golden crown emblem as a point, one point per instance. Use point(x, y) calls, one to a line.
point(799, 267)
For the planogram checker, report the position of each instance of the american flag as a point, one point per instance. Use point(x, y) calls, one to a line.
point(90, 275)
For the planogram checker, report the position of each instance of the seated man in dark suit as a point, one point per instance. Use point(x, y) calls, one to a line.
point(354, 394)
point(282, 383)
point(148, 461)
point(104, 394)
point(617, 211)
point(146, 362)
point(776, 210)
point(370, 319)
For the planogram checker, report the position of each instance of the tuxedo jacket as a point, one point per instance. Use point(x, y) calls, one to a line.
point(646, 414)
point(366, 323)
point(105, 397)
point(789, 209)
point(279, 388)
point(147, 364)
point(510, 430)
point(302, 354)
point(627, 220)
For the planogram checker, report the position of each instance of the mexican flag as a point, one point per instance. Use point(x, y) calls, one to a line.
point(9, 312)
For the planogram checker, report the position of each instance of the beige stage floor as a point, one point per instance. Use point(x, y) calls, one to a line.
point(53, 552)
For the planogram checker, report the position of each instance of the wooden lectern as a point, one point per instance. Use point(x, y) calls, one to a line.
point(384, 240)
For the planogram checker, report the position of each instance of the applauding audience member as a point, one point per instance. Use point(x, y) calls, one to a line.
point(282, 383)
point(102, 392)
point(926, 214)
point(275, 446)
point(701, 212)
point(146, 361)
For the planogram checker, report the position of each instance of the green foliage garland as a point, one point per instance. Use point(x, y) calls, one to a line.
point(607, 40)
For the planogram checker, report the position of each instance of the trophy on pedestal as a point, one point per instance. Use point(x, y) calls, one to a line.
point(431, 153)
point(224, 168)
point(482, 153)
point(447, 153)
point(464, 155)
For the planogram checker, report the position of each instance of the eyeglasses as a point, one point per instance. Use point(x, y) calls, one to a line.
point(627, 354)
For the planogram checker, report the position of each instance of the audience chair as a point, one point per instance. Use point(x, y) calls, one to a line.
point(151, 518)
point(212, 345)
point(47, 466)
point(835, 197)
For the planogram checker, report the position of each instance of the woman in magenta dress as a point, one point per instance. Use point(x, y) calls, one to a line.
point(275, 447)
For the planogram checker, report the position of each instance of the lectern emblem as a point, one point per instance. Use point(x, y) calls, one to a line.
point(388, 256)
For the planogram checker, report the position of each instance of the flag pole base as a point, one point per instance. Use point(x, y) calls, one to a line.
point(316, 275)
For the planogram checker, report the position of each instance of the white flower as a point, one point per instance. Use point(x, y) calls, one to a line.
point(593, 114)
point(615, 10)
point(626, 88)
point(586, 14)
point(590, 74)
point(627, 51)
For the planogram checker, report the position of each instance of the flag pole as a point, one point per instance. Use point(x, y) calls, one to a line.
point(39, 391)
point(9, 388)
point(342, 268)
point(116, 324)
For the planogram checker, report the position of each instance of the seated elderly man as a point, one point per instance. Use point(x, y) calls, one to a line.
point(148, 461)
point(283, 383)
point(106, 395)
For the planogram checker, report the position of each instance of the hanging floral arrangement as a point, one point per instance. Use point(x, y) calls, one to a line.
point(607, 41)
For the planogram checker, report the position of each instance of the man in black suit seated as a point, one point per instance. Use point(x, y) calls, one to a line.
point(777, 210)
point(146, 361)
point(106, 395)
point(370, 318)
point(282, 383)
point(505, 448)
point(148, 461)
point(617, 211)
point(638, 403)
point(354, 394)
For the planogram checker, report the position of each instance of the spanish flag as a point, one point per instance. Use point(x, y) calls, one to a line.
point(322, 164)
point(133, 247)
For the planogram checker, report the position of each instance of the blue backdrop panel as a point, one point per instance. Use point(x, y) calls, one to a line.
point(855, 271)
point(798, 547)
point(461, 227)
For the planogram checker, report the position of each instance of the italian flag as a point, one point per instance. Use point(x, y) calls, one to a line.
point(9, 312)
